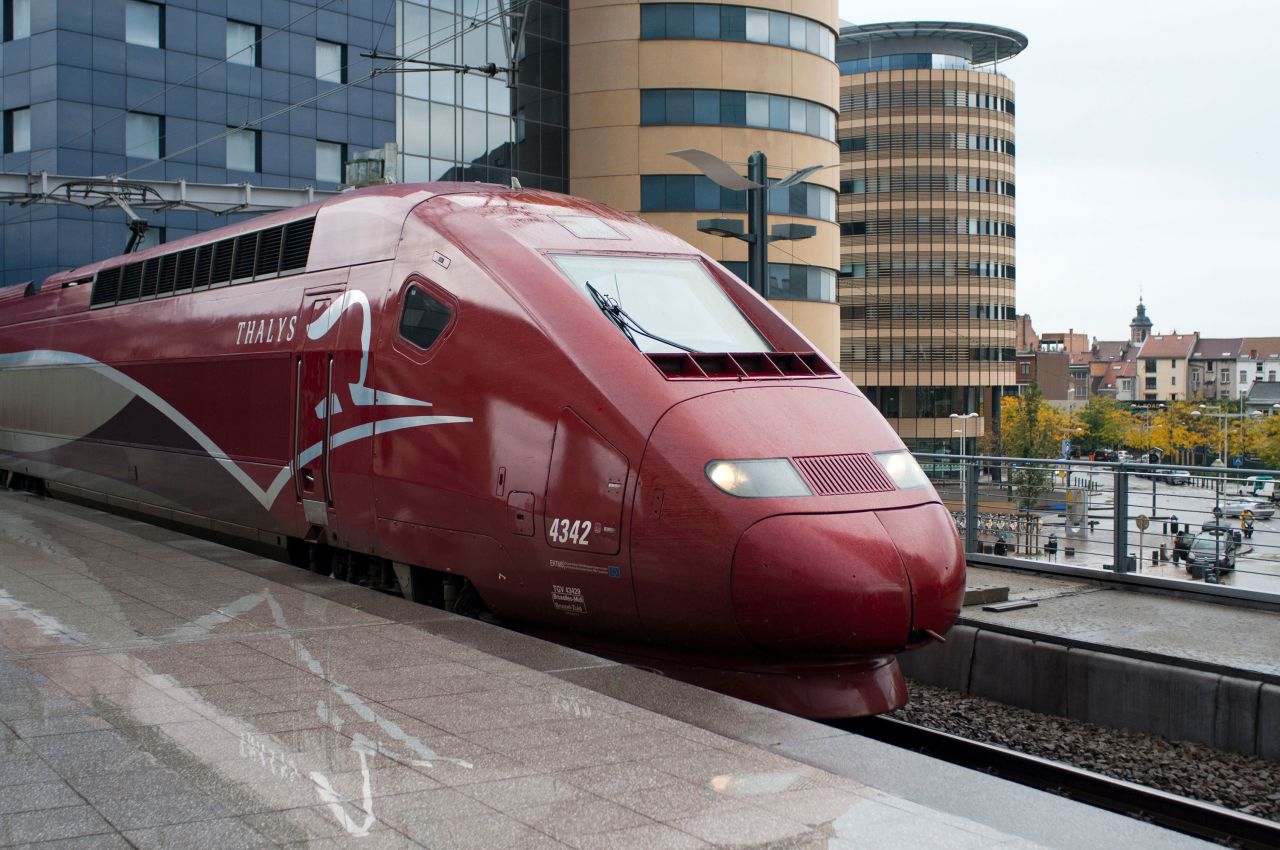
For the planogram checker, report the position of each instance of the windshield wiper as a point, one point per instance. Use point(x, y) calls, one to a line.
point(620, 317)
point(609, 310)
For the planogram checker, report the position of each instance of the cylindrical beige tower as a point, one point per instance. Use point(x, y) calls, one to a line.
point(647, 79)
point(926, 288)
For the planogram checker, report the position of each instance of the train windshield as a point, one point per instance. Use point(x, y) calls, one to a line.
point(663, 305)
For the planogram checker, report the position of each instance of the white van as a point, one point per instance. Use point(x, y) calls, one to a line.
point(1260, 487)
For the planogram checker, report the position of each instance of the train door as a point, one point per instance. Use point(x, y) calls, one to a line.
point(314, 408)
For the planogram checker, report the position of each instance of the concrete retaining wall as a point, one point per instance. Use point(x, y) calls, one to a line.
point(1227, 712)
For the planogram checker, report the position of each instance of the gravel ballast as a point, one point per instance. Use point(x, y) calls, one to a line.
point(1232, 780)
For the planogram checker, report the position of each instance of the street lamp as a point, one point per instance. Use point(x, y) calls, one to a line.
point(756, 184)
point(964, 429)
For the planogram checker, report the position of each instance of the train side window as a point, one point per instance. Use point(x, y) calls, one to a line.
point(424, 318)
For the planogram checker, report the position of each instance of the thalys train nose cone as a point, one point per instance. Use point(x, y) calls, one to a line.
point(848, 583)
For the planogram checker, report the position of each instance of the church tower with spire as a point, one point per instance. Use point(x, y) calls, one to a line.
point(1140, 327)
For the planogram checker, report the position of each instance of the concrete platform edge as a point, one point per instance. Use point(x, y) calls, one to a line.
point(1226, 708)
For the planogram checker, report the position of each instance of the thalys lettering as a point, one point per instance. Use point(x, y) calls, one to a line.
point(257, 331)
point(444, 430)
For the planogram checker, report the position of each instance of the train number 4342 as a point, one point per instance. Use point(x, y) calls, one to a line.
point(569, 531)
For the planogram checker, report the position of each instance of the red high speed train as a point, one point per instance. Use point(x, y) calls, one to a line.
point(502, 400)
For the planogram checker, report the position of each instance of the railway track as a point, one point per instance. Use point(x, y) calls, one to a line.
point(1192, 817)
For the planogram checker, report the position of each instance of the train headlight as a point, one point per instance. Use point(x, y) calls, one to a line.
point(757, 479)
point(903, 469)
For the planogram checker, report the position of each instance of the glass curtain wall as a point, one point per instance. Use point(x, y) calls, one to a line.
point(466, 125)
point(927, 232)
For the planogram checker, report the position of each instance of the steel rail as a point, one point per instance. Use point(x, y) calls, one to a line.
point(1182, 814)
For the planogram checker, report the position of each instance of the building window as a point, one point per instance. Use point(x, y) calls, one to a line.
point(1150, 363)
point(144, 24)
point(330, 157)
point(715, 108)
point(905, 62)
point(242, 43)
point(927, 140)
point(1226, 375)
point(17, 130)
point(1151, 383)
point(1173, 381)
point(17, 19)
point(736, 23)
point(1026, 368)
point(331, 61)
point(143, 135)
point(792, 281)
point(244, 151)
point(695, 192)
point(934, 402)
point(1244, 376)
point(888, 400)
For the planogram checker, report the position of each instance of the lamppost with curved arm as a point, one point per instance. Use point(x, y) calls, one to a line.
point(964, 429)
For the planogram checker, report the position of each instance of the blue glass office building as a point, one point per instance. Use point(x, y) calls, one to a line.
point(269, 92)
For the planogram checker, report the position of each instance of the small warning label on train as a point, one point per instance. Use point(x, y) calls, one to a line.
point(582, 568)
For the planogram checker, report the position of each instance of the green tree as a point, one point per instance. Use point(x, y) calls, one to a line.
point(1031, 428)
point(1264, 440)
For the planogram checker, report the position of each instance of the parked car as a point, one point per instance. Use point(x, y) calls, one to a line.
point(1235, 507)
point(1176, 476)
point(1210, 553)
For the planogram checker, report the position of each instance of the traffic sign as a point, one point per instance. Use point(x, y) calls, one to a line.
point(1217, 512)
point(1143, 522)
point(1066, 448)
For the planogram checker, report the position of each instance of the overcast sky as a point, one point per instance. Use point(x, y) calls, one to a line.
point(1148, 160)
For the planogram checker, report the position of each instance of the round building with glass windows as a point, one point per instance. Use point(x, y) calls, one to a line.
point(927, 230)
point(650, 79)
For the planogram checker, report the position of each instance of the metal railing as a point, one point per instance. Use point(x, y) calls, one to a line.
point(1213, 527)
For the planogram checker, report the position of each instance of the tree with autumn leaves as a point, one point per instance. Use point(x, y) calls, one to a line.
point(1030, 427)
point(1033, 429)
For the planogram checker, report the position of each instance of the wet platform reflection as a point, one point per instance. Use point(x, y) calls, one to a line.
point(162, 691)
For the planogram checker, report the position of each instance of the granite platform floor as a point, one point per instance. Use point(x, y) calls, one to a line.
point(158, 690)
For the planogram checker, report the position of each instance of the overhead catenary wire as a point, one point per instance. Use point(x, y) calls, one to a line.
point(338, 88)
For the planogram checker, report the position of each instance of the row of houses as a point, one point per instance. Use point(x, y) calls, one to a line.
point(1149, 367)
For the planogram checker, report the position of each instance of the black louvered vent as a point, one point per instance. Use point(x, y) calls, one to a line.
point(269, 251)
point(297, 244)
point(186, 271)
point(272, 252)
point(168, 272)
point(222, 254)
point(204, 259)
point(106, 287)
point(246, 252)
point(131, 284)
point(150, 277)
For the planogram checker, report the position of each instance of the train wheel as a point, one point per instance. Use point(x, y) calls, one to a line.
point(320, 559)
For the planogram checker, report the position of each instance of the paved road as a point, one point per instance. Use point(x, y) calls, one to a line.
point(1257, 565)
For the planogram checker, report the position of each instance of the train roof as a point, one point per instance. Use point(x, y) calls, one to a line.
point(367, 230)
point(375, 214)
